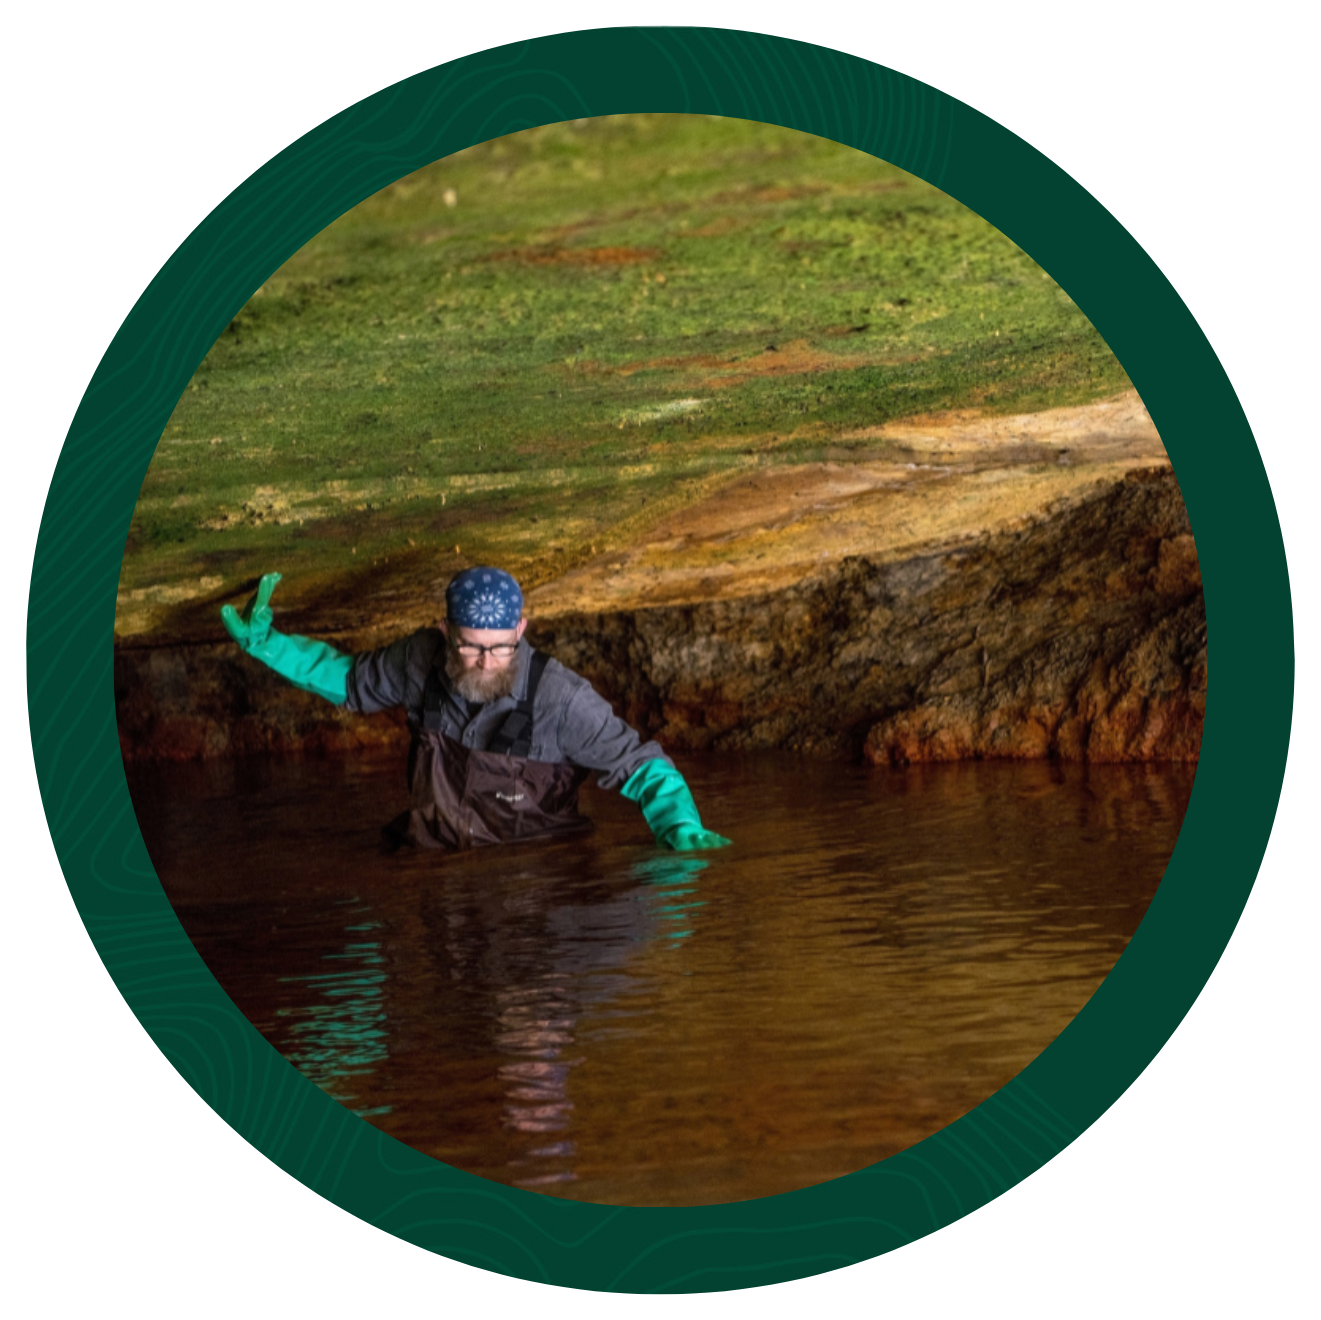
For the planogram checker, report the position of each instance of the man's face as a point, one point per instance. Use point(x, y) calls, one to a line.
point(472, 645)
point(478, 672)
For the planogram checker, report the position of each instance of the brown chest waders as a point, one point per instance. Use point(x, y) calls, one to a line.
point(464, 798)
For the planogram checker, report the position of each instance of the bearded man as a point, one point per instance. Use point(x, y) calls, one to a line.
point(502, 736)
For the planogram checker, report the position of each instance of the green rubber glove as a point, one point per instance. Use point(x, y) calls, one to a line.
point(313, 666)
point(668, 807)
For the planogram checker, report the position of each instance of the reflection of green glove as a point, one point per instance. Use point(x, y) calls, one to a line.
point(667, 871)
point(668, 807)
point(313, 666)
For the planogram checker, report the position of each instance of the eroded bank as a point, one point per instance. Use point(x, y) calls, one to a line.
point(1078, 632)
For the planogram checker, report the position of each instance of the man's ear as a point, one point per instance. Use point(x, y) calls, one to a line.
point(445, 628)
point(522, 624)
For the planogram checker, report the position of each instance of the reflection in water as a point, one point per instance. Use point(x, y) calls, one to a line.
point(515, 955)
point(675, 878)
point(878, 952)
point(538, 1020)
point(342, 1033)
point(537, 1084)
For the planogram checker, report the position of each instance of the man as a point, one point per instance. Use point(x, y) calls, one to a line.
point(502, 735)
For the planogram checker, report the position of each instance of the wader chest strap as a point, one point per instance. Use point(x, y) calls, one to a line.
point(515, 735)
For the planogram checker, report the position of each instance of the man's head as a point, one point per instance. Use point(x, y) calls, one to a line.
point(484, 622)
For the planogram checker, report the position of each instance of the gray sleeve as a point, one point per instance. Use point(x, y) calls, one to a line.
point(379, 679)
point(593, 736)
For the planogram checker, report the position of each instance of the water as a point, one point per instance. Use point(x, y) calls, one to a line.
point(595, 1019)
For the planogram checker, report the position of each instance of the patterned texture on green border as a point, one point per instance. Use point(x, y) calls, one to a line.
point(115, 432)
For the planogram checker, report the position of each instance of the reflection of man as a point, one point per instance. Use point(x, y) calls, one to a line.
point(502, 735)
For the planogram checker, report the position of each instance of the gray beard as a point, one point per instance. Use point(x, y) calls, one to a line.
point(480, 685)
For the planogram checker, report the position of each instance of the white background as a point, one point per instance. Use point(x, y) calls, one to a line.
point(127, 123)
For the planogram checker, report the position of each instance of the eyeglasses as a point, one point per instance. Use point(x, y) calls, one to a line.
point(472, 651)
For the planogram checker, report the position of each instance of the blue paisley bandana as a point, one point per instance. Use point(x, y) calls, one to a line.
point(483, 598)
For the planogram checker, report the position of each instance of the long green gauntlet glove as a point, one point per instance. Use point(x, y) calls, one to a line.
point(668, 807)
point(313, 666)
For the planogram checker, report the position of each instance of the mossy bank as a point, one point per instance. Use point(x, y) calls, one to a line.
point(788, 448)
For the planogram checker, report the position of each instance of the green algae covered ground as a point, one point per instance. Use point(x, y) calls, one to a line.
point(529, 352)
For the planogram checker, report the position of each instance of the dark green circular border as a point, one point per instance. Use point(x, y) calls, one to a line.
point(71, 621)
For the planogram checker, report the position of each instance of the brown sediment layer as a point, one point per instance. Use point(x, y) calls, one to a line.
point(1078, 634)
point(1081, 636)
point(925, 483)
point(188, 703)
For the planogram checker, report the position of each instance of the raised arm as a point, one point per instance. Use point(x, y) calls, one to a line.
point(311, 665)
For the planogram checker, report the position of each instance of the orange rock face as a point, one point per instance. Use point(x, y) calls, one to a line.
point(1079, 634)
point(1144, 700)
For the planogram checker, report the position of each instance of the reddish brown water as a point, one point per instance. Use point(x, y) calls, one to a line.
point(593, 1018)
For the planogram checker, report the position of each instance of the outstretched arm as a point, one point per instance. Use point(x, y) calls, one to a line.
point(668, 807)
point(313, 666)
point(592, 735)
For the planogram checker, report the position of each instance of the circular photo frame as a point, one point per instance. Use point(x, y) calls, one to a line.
point(115, 433)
